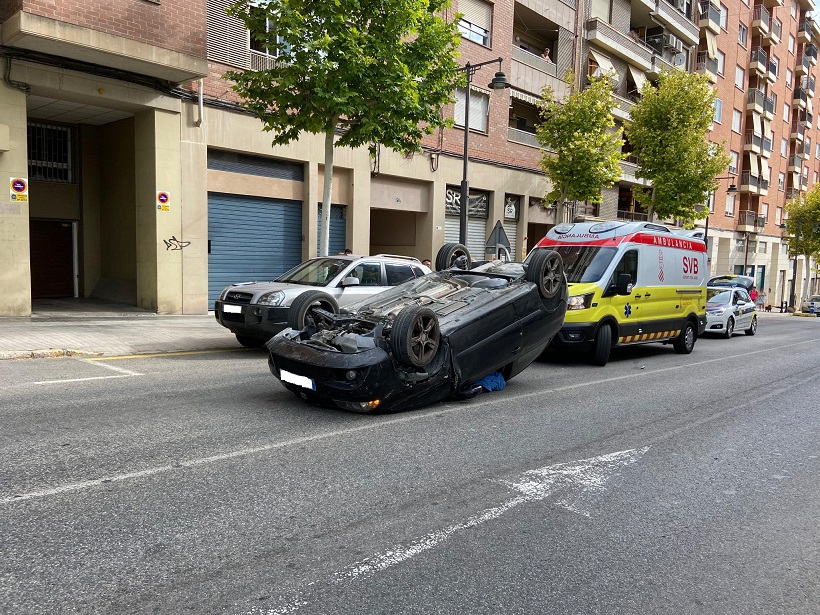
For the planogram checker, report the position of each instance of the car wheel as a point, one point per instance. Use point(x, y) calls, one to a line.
point(302, 307)
point(449, 254)
point(752, 327)
point(685, 342)
point(546, 271)
point(730, 328)
point(250, 342)
point(416, 336)
point(603, 345)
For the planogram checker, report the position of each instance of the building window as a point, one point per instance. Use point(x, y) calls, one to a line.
point(793, 9)
point(764, 210)
point(791, 44)
point(259, 40)
point(49, 153)
point(762, 247)
point(742, 32)
point(479, 109)
point(789, 75)
point(724, 17)
point(740, 77)
point(778, 216)
point(721, 61)
point(730, 204)
point(781, 181)
point(718, 109)
point(817, 150)
point(774, 65)
point(737, 117)
point(786, 112)
point(476, 22)
point(733, 160)
point(784, 147)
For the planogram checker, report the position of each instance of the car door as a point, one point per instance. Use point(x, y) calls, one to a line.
point(627, 308)
point(371, 281)
point(746, 309)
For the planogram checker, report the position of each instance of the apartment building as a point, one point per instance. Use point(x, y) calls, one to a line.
point(762, 58)
point(138, 179)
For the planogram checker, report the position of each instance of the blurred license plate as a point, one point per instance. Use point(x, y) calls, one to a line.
point(237, 309)
point(302, 381)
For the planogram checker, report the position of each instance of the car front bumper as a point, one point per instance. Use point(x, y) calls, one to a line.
point(716, 323)
point(259, 321)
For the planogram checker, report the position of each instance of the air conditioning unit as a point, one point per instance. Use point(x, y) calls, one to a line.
point(670, 40)
point(680, 5)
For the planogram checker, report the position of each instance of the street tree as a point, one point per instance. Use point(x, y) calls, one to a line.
point(360, 73)
point(582, 149)
point(803, 224)
point(668, 136)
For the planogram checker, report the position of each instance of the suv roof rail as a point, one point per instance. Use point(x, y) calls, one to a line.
point(400, 256)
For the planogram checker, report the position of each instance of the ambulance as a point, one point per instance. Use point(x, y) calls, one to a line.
point(629, 283)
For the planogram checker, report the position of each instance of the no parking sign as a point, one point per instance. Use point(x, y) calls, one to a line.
point(164, 201)
point(18, 188)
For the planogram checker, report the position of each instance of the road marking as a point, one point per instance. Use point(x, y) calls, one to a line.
point(180, 353)
point(121, 373)
point(571, 480)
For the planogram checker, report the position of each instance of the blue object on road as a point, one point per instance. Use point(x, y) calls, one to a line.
point(492, 382)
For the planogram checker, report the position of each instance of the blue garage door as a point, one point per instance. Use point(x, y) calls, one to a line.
point(250, 239)
point(338, 230)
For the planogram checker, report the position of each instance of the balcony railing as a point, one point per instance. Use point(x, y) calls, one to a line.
point(800, 96)
point(769, 104)
point(759, 58)
point(617, 42)
point(776, 30)
point(706, 64)
point(795, 162)
point(755, 97)
point(747, 179)
point(753, 139)
point(746, 217)
point(761, 18)
point(804, 31)
point(709, 17)
point(798, 130)
point(802, 66)
point(767, 145)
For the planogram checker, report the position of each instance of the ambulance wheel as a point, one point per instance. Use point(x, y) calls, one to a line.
point(685, 342)
point(449, 254)
point(752, 327)
point(603, 345)
point(730, 328)
point(546, 271)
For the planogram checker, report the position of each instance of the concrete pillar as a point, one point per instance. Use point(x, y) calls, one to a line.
point(358, 214)
point(194, 204)
point(15, 256)
point(160, 241)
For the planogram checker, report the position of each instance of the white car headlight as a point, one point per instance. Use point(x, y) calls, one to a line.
point(274, 298)
point(717, 311)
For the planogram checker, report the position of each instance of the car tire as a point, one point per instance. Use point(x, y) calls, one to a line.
point(449, 253)
point(250, 342)
point(416, 336)
point(685, 342)
point(603, 346)
point(546, 271)
point(303, 304)
point(730, 328)
point(752, 326)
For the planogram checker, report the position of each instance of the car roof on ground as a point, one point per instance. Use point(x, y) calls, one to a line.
point(731, 280)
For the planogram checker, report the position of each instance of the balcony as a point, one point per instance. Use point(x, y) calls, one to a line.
point(806, 117)
point(795, 164)
point(759, 60)
point(709, 18)
point(707, 66)
point(802, 65)
point(622, 107)
point(530, 73)
point(800, 98)
point(620, 44)
point(659, 64)
point(792, 193)
point(761, 20)
point(804, 32)
point(522, 137)
point(746, 221)
point(775, 32)
point(671, 14)
point(798, 132)
point(769, 106)
point(808, 83)
point(773, 4)
point(771, 72)
point(755, 100)
point(811, 51)
point(752, 142)
point(767, 148)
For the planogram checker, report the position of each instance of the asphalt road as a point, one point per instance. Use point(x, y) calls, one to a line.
point(660, 483)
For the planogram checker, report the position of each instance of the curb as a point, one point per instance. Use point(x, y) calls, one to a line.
point(45, 354)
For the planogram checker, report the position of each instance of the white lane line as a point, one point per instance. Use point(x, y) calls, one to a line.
point(572, 478)
point(448, 409)
point(121, 373)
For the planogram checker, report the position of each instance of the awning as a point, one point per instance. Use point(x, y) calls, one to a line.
point(711, 44)
point(754, 166)
point(756, 122)
point(810, 107)
point(638, 77)
point(527, 98)
point(764, 168)
point(602, 61)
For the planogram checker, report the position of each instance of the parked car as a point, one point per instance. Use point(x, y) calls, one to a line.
point(256, 311)
point(743, 281)
point(729, 309)
point(426, 339)
point(811, 305)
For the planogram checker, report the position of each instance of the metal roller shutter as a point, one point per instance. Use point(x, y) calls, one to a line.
point(476, 234)
point(338, 230)
point(510, 229)
point(250, 239)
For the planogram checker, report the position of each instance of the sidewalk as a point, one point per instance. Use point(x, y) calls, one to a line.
point(71, 327)
point(83, 327)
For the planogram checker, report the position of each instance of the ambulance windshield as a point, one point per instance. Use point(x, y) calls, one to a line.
point(585, 263)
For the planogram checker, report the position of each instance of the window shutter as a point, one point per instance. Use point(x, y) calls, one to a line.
point(477, 12)
point(228, 39)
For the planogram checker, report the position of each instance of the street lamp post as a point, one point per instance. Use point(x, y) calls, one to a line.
point(732, 189)
point(498, 83)
point(794, 265)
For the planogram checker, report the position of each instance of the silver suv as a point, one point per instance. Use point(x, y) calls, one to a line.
point(256, 311)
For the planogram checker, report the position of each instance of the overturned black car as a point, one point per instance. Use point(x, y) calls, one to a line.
point(426, 339)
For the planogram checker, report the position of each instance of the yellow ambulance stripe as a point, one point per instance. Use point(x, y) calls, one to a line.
point(646, 337)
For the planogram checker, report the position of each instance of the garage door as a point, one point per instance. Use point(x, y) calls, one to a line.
point(250, 239)
point(510, 227)
point(338, 230)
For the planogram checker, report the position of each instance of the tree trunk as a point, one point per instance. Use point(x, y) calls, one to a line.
point(560, 207)
point(324, 239)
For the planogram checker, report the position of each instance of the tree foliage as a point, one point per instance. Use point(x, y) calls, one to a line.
point(582, 149)
point(804, 211)
point(381, 70)
point(668, 136)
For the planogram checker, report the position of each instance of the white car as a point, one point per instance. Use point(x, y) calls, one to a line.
point(730, 309)
point(811, 305)
point(256, 311)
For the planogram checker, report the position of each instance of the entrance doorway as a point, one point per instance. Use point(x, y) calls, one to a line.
point(52, 258)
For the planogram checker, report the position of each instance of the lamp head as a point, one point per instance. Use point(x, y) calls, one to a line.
point(499, 82)
point(732, 189)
